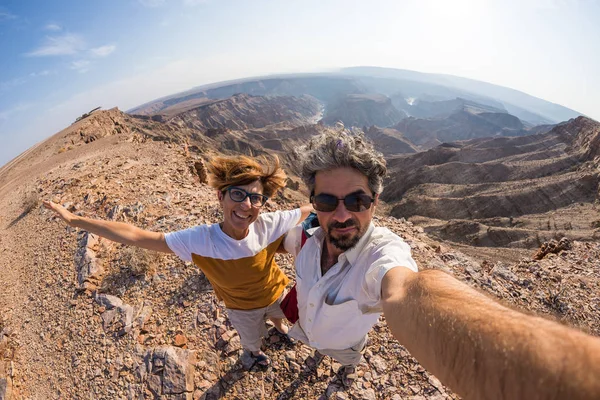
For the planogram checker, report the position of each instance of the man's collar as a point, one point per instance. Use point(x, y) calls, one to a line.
point(351, 254)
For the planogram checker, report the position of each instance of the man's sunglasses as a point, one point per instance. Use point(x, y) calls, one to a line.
point(354, 202)
point(238, 195)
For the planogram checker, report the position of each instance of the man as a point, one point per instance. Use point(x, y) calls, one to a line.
point(350, 271)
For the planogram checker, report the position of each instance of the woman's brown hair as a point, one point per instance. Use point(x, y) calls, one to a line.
point(242, 170)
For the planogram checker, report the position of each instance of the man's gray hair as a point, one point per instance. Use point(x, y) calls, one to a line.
point(339, 147)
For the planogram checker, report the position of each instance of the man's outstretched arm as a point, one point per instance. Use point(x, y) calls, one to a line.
point(483, 350)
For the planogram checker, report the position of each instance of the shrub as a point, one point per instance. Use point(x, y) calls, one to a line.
point(139, 262)
point(30, 201)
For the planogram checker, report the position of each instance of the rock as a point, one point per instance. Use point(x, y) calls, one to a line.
point(368, 394)
point(340, 396)
point(180, 340)
point(173, 368)
point(143, 316)
point(89, 268)
point(294, 367)
point(3, 342)
point(274, 339)
point(202, 318)
point(552, 247)
point(415, 388)
point(378, 363)
point(201, 171)
point(108, 301)
point(108, 317)
point(126, 312)
point(435, 382)
point(232, 346)
point(5, 389)
point(504, 273)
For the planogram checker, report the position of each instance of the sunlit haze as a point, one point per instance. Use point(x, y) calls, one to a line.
point(60, 59)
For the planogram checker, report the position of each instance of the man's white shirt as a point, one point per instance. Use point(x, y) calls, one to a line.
point(338, 309)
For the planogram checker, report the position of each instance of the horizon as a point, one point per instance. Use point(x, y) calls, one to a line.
point(61, 61)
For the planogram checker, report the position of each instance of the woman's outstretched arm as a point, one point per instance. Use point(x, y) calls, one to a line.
point(116, 231)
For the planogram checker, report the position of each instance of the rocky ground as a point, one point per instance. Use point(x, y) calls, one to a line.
point(81, 317)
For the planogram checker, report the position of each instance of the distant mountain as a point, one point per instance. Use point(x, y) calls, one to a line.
point(462, 124)
point(409, 92)
point(363, 109)
point(440, 109)
point(241, 112)
point(522, 105)
point(389, 141)
point(324, 87)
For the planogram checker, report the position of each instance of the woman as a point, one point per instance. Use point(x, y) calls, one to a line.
point(236, 255)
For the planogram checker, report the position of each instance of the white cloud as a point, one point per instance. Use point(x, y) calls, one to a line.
point(5, 16)
point(81, 66)
point(152, 3)
point(103, 51)
point(194, 2)
point(41, 73)
point(53, 27)
point(59, 46)
point(12, 83)
point(6, 114)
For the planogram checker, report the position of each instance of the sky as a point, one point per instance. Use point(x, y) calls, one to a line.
point(61, 58)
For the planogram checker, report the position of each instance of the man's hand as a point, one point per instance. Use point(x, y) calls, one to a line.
point(62, 212)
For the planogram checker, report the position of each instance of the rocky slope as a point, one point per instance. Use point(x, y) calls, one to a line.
point(389, 141)
point(503, 177)
point(81, 317)
point(243, 111)
point(363, 109)
point(463, 124)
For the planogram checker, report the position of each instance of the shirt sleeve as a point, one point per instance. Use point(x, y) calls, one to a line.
point(273, 225)
point(391, 253)
point(293, 240)
point(185, 242)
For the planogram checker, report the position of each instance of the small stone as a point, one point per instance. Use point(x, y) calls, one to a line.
point(274, 339)
point(108, 301)
point(180, 340)
point(201, 318)
point(435, 382)
point(368, 394)
point(294, 367)
point(416, 389)
point(198, 394)
point(378, 363)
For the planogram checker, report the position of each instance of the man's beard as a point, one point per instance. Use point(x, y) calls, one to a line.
point(346, 241)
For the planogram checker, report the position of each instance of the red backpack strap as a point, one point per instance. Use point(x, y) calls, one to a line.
point(289, 304)
point(303, 240)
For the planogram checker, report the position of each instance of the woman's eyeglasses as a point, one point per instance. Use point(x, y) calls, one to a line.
point(354, 202)
point(238, 195)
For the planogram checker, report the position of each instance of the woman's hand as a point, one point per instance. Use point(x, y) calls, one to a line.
point(62, 212)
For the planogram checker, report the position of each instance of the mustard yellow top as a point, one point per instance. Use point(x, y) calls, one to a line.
point(242, 272)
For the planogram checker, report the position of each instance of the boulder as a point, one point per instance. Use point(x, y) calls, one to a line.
point(170, 371)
